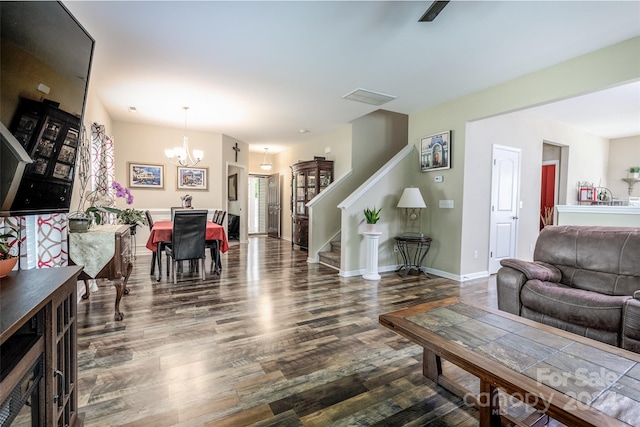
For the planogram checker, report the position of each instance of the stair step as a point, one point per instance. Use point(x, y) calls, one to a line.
point(336, 246)
point(330, 258)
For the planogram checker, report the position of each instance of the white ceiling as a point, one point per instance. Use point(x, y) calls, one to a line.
point(261, 71)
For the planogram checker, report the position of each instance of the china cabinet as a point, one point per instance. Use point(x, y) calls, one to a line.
point(50, 136)
point(308, 178)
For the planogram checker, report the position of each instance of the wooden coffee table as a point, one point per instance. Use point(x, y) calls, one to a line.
point(572, 379)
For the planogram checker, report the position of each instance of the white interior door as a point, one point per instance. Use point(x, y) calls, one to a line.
point(505, 188)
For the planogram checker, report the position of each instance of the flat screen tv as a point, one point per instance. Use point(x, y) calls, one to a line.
point(44, 76)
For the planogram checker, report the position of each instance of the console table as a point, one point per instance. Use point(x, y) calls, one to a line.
point(417, 243)
point(105, 253)
point(39, 361)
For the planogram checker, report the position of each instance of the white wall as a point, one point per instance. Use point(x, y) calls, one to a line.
point(623, 153)
point(588, 156)
point(461, 229)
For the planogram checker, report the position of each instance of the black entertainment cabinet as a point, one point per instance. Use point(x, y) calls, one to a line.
point(50, 136)
point(39, 362)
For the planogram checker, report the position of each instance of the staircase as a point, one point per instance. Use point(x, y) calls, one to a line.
point(332, 258)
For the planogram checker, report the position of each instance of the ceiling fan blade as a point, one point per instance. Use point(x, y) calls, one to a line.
point(433, 11)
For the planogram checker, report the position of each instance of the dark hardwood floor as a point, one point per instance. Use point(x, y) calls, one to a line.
point(272, 341)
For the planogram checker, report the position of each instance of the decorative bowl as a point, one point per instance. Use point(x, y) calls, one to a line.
point(6, 265)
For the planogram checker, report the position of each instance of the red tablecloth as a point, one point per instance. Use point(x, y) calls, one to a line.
point(162, 230)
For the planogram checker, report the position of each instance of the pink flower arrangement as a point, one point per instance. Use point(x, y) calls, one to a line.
point(123, 192)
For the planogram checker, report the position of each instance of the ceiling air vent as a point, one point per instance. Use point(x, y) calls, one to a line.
point(369, 97)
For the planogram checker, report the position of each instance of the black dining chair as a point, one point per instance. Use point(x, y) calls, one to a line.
point(160, 248)
point(174, 209)
point(187, 240)
point(214, 245)
point(220, 218)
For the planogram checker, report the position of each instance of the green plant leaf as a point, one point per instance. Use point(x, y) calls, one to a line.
point(372, 216)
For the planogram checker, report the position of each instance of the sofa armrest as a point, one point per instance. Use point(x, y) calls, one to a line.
point(514, 274)
point(631, 324)
point(509, 282)
point(534, 270)
point(636, 294)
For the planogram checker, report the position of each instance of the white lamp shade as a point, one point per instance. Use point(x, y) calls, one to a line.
point(411, 198)
point(266, 162)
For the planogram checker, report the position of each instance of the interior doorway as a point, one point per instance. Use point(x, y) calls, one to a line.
point(258, 185)
point(548, 192)
point(505, 191)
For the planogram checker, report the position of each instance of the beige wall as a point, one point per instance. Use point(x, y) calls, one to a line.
point(339, 142)
point(623, 153)
point(139, 143)
point(466, 227)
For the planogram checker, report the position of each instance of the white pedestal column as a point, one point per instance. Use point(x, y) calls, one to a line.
point(371, 245)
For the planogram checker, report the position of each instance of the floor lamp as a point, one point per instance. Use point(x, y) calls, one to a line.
point(412, 201)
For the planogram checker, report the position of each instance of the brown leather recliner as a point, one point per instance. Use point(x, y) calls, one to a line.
point(583, 279)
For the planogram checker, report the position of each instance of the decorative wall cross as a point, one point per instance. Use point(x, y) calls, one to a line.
point(237, 150)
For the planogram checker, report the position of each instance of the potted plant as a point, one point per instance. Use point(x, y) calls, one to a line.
point(132, 217)
point(372, 216)
point(8, 256)
point(100, 204)
point(634, 172)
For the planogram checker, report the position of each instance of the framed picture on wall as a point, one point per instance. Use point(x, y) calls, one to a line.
point(192, 178)
point(232, 187)
point(435, 151)
point(144, 175)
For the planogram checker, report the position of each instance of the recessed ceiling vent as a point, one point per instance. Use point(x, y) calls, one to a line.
point(369, 97)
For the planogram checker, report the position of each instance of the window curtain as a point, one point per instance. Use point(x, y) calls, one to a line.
point(102, 165)
point(102, 168)
point(43, 238)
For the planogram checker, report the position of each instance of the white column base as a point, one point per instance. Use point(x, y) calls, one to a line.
point(371, 272)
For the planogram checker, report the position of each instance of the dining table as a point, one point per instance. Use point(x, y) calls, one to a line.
point(162, 231)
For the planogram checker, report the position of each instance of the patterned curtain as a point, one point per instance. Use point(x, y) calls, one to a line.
point(102, 166)
point(101, 159)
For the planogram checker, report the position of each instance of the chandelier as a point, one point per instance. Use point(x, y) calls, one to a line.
point(266, 162)
point(181, 156)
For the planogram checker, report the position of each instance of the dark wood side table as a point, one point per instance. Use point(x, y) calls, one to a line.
point(116, 266)
point(38, 343)
point(414, 248)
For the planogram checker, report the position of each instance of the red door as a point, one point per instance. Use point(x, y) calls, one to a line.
point(547, 190)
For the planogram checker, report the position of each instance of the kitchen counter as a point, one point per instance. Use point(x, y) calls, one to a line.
point(621, 216)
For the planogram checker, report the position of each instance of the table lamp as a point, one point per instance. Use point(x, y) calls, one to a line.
point(412, 201)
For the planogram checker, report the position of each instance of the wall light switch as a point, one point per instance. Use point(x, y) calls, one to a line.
point(438, 178)
point(327, 150)
point(43, 88)
point(445, 204)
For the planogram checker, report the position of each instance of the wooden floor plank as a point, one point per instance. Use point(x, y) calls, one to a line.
point(273, 340)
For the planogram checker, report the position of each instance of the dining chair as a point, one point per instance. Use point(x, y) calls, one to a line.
point(187, 240)
point(174, 209)
point(214, 245)
point(160, 247)
point(214, 217)
point(220, 219)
